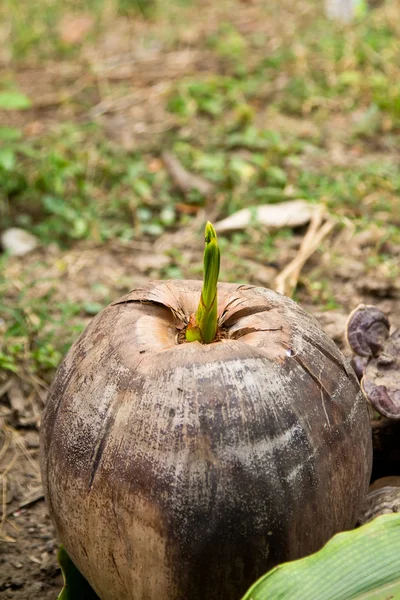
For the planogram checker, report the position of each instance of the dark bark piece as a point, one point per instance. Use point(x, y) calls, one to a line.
point(381, 381)
point(366, 330)
point(181, 471)
point(383, 501)
point(359, 363)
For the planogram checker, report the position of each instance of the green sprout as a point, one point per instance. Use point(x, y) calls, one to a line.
point(203, 324)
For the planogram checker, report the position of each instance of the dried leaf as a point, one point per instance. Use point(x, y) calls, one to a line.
point(293, 213)
point(73, 28)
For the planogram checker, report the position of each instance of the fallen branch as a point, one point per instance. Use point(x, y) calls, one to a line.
point(184, 180)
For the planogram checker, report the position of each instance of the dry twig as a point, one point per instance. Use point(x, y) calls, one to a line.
point(286, 281)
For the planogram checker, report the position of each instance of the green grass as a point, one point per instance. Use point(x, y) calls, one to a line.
point(33, 33)
point(259, 119)
point(32, 340)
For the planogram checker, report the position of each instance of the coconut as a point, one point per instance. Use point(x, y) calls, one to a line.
point(176, 470)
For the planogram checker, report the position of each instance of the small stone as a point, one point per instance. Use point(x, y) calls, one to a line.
point(17, 564)
point(50, 546)
point(50, 568)
point(32, 440)
point(18, 242)
point(17, 583)
point(36, 587)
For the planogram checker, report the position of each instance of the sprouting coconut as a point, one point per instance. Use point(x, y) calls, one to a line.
point(188, 447)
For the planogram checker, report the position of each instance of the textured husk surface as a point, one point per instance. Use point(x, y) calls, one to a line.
point(180, 471)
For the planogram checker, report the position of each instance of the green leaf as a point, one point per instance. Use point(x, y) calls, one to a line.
point(14, 101)
point(7, 159)
point(7, 363)
point(363, 564)
point(211, 265)
point(10, 134)
point(75, 585)
point(92, 308)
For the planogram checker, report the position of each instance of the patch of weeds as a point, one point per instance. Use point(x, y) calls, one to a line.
point(34, 32)
point(298, 91)
point(210, 96)
point(147, 8)
point(321, 291)
point(231, 46)
point(255, 139)
point(12, 180)
point(355, 192)
point(60, 196)
point(32, 337)
point(248, 166)
point(327, 66)
point(243, 251)
point(37, 331)
point(369, 124)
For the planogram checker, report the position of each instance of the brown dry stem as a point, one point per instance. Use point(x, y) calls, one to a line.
point(320, 226)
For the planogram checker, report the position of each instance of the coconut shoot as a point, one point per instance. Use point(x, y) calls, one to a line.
point(203, 324)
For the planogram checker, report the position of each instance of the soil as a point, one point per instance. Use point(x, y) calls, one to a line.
point(28, 565)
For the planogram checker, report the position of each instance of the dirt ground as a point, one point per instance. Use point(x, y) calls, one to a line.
point(94, 274)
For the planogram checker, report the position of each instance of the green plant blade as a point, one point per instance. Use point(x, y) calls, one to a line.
point(203, 328)
point(363, 564)
point(206, 314)
point(75, 585)
point(211, 266)
point(14, 101)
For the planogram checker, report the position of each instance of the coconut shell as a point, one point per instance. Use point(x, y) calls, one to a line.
point(180, 471)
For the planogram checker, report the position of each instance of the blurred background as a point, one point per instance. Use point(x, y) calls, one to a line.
point(126, 124)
